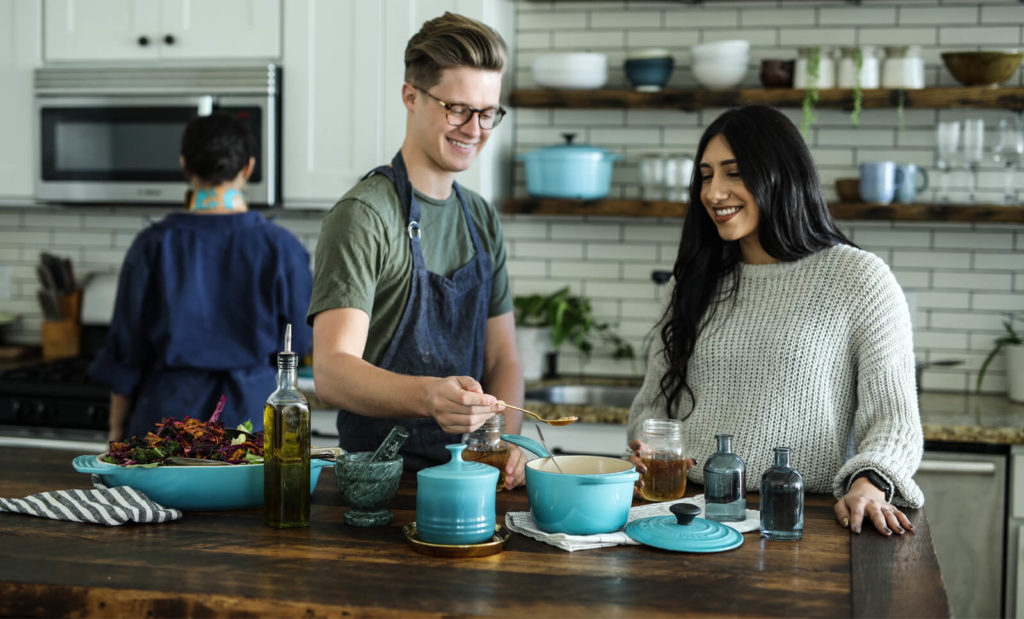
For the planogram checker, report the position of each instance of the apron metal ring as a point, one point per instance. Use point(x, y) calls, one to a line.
point(414, 230)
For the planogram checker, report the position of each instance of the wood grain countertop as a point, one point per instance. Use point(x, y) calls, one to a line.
point(219, 564)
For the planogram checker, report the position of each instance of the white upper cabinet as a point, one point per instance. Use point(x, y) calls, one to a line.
point(343, 67)
point(20, 29)
point(91, 30)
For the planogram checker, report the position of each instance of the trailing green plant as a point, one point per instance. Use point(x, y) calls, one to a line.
point(811, 94)
point(1011, 338)
point(901, 100)
point(571, 319)
point(858, 94)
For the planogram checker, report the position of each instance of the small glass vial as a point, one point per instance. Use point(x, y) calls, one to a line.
point(725, 497)
point(663, 455)
point(782, 500)
point(485, 445)
point(286, 437)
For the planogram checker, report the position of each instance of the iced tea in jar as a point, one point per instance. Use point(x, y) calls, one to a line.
point(662, 452)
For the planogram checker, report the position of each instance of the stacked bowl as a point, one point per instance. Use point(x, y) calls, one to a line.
point(649, 69)
point(720, 64)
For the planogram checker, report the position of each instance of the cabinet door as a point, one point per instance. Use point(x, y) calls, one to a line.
point(220, 29)
point(966, 508)
point(336, 98)
point(101, 29)
point(343, 70)
point(20, 30)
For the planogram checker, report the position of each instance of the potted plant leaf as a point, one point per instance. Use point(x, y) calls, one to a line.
point(1014, 346)
point(545, 322)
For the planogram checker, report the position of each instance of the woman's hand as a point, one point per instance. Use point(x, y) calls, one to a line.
point(864, 500)
point(515, 470)
point(638, 447)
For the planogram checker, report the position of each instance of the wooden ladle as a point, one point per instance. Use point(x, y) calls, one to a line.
point(561, 421)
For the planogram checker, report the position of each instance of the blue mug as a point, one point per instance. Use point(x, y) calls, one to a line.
point(907, 187)
point(878, 181)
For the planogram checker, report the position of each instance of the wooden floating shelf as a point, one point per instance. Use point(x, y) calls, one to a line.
point(842, 98)
point(841, 210)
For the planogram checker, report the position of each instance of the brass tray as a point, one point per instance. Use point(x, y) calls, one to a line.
point(493, 546)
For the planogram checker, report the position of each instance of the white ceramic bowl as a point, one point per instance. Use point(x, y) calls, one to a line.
point(718, 75)
point(653, 52)
point(580, 70)
point(730, 47)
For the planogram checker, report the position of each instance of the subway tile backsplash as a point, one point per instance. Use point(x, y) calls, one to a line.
point(960, 278)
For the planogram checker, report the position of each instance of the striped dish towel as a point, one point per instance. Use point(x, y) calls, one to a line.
point(103, 505)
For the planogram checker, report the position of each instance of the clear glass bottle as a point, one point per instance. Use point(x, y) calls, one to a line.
point(664, 457)
point(782, 500)
point(725, 496)
point(485, 445)
point(286, 438)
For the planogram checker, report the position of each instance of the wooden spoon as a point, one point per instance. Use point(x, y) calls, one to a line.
point(561, 421)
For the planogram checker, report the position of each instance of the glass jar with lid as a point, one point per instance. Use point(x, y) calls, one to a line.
point(662, 454)
point(485, 445)
point(903, 67)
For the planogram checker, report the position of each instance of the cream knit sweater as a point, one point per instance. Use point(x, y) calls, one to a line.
point(815, 355)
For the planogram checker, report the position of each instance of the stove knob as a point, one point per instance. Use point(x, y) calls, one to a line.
point(41, 411)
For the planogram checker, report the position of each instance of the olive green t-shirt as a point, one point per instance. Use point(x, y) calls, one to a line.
point(363, 259)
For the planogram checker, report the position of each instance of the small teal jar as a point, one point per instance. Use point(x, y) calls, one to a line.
point(455, 501)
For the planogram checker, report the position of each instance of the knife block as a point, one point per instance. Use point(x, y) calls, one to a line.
point(63, 338)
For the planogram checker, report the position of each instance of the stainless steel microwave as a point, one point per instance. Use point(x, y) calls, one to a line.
point(113, 134)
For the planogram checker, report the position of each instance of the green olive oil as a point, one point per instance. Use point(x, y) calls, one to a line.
point(286, 438)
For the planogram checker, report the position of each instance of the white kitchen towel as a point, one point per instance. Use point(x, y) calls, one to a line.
point(109, 506)
point(522, 523)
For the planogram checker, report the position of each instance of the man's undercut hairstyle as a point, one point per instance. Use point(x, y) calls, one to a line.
point(449, 41)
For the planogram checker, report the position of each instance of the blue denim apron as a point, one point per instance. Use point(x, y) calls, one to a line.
point(441, 334)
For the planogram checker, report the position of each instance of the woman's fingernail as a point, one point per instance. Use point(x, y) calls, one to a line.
point(887, 531)
point(899, 530)
point(856, 529)
point(846, 522)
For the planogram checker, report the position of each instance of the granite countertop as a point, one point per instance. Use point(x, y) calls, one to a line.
point(945, 416)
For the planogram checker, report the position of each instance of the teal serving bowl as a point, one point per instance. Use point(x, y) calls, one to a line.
point(192, 488)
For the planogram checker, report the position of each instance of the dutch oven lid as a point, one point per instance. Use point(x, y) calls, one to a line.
point(457, 468)
point(569, 150)
point(684, 532)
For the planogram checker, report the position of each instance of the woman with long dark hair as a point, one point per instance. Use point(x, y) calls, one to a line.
point(780, 331)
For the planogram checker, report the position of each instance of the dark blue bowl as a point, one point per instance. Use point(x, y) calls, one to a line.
point(649, 73)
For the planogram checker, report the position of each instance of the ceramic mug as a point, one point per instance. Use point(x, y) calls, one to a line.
point(878, 181)
point(907, 186)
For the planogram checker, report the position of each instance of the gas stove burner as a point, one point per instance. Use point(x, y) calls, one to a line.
point(57, 394)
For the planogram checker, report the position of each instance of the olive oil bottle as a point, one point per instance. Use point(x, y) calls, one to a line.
point(286, 447)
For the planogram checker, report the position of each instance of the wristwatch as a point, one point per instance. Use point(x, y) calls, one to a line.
point(877, 481)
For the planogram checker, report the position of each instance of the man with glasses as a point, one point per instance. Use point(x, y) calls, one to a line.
point(411, 310)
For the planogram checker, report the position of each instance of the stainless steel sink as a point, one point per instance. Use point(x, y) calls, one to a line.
point(584, 395)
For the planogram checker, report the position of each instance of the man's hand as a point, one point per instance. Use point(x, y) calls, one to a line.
point(459, 404)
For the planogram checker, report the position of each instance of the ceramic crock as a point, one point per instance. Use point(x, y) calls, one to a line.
point(569, 170)
point(592, 494)
point(455, 501)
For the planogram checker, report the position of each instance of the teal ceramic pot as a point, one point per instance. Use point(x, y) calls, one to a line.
point(591, 494)
point(368, 487)
point(569, 170)
point(455, 501)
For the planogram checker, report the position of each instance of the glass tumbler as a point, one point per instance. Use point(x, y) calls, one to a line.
point(651, 171)
point(662, 453)
point(678, 172)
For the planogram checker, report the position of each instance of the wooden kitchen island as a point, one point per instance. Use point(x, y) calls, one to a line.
point(220, 564)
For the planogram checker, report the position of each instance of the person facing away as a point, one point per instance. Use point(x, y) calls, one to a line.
point(203, 297)
point(411, 310)
point(780, 331)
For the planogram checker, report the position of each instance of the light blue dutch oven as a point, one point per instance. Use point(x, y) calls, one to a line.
point(569, 170)
point(192, 488)
point(592, 495)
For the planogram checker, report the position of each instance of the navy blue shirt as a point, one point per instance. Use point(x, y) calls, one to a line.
point(202, 303)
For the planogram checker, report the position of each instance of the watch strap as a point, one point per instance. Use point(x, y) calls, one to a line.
point(877, 481)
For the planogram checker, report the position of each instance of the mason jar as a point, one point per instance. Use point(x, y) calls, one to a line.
point(485, 445)
point(663, 454)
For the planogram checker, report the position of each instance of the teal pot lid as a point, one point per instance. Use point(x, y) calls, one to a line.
point(684, 532)
point(457, 468)
point(570, 151)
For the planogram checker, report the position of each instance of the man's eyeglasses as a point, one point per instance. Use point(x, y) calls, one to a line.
point(459, 114)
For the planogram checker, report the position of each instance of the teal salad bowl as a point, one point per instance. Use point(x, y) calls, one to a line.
point(192, 488)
